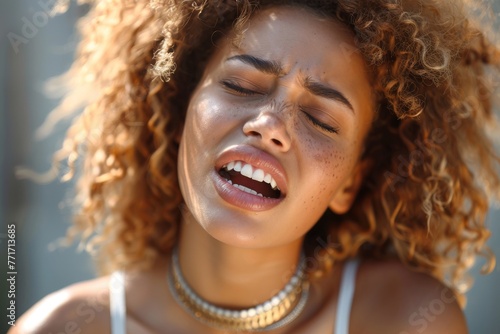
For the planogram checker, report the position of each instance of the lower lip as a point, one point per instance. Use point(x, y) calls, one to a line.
point(242, 199)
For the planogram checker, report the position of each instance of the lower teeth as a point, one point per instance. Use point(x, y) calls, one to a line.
point(245, 189)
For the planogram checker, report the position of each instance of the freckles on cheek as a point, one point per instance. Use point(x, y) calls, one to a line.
point(333, 162)
point(319, 199)
point(336, 166)
point(318, 150)
point(341, 162)
point(234, 112)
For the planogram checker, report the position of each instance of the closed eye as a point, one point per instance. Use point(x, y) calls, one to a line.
point(320, 124)
point(235, 88)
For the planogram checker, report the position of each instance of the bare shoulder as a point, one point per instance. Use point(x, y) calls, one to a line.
point(391, 298)
point(79, 308)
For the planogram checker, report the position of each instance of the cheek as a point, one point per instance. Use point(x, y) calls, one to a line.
point(332, 168)
point(205, 113)
point(210, 112)
point(329, 163)
point(330, 157)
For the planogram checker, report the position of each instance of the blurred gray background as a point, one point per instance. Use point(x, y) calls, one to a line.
point(38, 211)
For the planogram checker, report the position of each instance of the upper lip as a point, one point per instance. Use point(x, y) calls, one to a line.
point(257, 158)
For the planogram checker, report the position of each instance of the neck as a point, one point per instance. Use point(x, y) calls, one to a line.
point(231, 276)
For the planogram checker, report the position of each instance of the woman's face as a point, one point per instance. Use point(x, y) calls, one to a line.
point(282, 114)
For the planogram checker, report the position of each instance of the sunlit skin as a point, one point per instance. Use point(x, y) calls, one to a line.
point(291, 91)
point(272, 115)
point(310, 110)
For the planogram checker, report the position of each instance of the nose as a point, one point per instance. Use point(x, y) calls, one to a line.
point(270, 129)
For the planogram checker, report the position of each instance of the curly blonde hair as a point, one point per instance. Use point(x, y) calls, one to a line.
point(433, 167)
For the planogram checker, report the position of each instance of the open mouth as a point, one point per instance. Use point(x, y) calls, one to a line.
point(250, 179)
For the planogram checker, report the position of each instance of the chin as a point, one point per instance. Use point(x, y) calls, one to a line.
point(240, 233)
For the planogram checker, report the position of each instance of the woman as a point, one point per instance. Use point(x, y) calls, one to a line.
point(290, 167)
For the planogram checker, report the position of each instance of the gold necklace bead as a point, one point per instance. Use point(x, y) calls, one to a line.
point(276, 312)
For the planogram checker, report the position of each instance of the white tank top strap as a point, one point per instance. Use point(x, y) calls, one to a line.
point(117, 302)
point(346, 294)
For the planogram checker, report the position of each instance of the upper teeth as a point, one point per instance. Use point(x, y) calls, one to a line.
point(252, 173)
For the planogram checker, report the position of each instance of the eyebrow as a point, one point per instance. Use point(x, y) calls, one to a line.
point(315, 87)
point(322, 90)
point(267, 66)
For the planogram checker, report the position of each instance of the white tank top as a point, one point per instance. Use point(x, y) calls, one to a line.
point(346, 294)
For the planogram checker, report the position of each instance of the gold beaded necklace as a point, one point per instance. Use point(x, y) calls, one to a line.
point(278, 311)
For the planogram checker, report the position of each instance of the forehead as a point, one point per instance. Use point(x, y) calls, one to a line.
point(301, 38)
point(305, 43)
point(295, 33)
